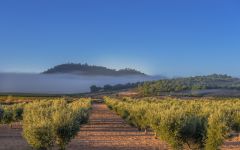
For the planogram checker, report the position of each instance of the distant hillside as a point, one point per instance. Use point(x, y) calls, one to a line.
point(214, 81)
point(85, 69)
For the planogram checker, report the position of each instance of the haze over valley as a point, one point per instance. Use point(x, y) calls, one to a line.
point(69, 79)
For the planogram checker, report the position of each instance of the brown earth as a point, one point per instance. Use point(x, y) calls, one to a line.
point(232, 144)
point(11, 138)
point(105, 131)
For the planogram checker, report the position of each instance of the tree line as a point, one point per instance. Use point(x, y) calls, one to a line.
point(214, 81)
point(109, 87)
point(91, 70)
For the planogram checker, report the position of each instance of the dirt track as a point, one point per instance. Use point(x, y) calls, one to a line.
point(11, 139)
point(107, 131)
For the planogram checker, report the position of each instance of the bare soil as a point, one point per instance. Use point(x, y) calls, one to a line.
point(11, 138)
point(107, 131)
point(232, 144)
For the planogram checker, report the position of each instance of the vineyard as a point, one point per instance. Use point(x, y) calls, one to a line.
point(183, 124)
point(121, 123)
point(48, 123)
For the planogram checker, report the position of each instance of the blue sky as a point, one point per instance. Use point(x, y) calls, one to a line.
point(169, 37)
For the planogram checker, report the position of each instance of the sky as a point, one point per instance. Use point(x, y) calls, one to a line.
point(158, 37)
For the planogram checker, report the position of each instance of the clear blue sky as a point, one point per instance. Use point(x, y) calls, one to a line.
point(170, 37)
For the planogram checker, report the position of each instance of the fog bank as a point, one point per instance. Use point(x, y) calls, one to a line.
point(59, 83)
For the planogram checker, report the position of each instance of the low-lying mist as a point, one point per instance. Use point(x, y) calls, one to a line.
point(59, 83)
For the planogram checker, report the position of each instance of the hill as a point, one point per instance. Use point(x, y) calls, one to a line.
point(85, 69)
point(213, 81)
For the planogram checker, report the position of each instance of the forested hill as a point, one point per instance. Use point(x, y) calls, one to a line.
point(214, 81)
point(85, 69)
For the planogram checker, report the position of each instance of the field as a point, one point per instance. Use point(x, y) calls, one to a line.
point(150, 123)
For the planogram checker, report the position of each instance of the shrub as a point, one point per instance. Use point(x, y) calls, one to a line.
point(183, 124)
point(181, 129)
point(66, 126)
point(1, 114)
point(11, 113)
point(7, 117)
point(217, 130)
point(37, 125)
point(46, 123)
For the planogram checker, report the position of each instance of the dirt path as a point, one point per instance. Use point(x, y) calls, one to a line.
point(107, 131)
point(11, 138)
point(231, 144)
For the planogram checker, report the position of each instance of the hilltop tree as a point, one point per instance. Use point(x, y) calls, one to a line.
point(94, 88)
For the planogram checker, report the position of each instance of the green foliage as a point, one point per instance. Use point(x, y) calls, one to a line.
point(1, 113)
point(217, 130)
point(192, 83)
point(108, 87)
point(183, 124)
point(7, 117)
point(94, 88)
point(236, 121)
point(66, 126)
point(11, 113)
point(91, 70)
point(50, 122)
point(37, 124)
point(181, 128)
